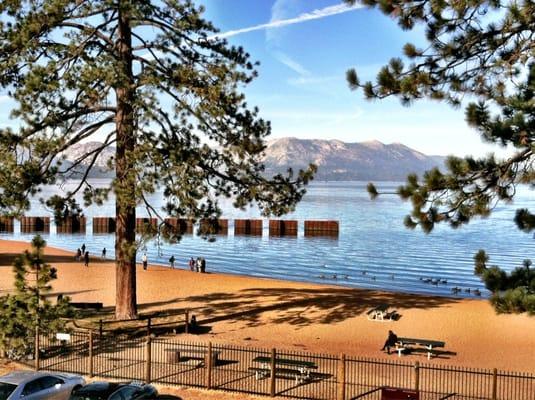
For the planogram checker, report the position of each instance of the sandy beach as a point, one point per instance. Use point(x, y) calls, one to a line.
point(316, 318)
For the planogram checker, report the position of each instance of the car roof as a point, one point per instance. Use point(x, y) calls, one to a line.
point(20, 377)
point(103, 388)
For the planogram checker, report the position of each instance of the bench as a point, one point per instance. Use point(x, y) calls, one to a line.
point(284, 368)
point(404, 344)
point(87, 305)
point(261, 373)
point(178, 354)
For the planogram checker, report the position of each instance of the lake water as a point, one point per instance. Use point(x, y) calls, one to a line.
point(373, 250)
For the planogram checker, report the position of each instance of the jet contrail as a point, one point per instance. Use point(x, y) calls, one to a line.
point(316, 14)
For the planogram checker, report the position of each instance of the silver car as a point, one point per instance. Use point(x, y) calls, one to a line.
point(28, 385)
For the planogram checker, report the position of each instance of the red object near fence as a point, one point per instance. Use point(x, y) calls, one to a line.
point(399, 394)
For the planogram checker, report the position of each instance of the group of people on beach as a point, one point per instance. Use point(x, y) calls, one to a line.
point(198, 265)
point(82, 253)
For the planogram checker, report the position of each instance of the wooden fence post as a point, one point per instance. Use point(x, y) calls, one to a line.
point(494, 384)
point(90, 348)
point(148, 360)
point(341, 393)
point(148, 326)
point(36, 350)
point(416, 376)
point(186, 324)
point(100, 329)
point(208, 363)
point(272, 385)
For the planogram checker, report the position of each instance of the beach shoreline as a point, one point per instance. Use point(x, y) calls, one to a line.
point(271, 313)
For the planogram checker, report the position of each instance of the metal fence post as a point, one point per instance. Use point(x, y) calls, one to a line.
point(341, 393)
point(272, 385)
point(186, 324)
point(494, 383)
point(36, 350)
point(416, 376)
point(208, 363)
point(148, 360)
point(90, 348)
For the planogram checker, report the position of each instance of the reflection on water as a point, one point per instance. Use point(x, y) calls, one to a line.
point(373, 250)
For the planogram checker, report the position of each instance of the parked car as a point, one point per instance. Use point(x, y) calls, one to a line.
point(29, 385)
point(115, 391)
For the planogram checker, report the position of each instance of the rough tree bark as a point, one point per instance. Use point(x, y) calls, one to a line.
point(125, 206)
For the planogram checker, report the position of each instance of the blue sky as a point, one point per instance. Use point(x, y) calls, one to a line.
point(302, 89)
point(305, 47)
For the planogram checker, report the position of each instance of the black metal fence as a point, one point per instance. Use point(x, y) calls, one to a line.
point(298, 374)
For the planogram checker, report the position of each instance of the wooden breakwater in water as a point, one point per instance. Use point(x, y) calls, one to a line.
point(71, 225)
point(279, 227)
point(144, 225)
point(107, 225)
point(179, 226)
point(322, 228)
point(248, 227)
point(35, 224)
point(213, 226)
point(7, 224)
point(103, 225)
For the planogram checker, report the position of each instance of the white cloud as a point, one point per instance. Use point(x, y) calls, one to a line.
point(292, 64)
point(308, 16)
point(317, 80)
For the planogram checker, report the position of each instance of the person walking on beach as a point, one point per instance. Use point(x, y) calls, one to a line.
point(78, 256)
point(191, 264)
point(104, 253)
point(172, 261)
point(83, 248)
point(203, 265)
point(144, 259)
point(198, 264)
point(390, 341)
point(86, 258)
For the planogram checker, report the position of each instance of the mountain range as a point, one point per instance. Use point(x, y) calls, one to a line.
point(336, 160)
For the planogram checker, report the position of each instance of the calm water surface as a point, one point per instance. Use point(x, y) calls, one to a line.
point(373, 250)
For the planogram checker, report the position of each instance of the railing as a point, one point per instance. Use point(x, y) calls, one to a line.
point(231, 368)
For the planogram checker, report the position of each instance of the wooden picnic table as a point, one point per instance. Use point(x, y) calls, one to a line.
point(380, 313)
point(404, 343)
point(198, 353)
point(285, 367)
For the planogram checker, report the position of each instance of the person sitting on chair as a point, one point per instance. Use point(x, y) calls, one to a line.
point(193, 324)
point(390, 341)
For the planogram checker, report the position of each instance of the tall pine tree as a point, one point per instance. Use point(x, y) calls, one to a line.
point(484, 51)
point(151, 79)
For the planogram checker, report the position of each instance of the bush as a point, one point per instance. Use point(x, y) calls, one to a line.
point(515, 300)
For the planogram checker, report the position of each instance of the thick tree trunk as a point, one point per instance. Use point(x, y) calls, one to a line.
point(125, 234)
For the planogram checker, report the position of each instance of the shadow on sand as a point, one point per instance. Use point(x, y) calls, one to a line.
point(298, 307)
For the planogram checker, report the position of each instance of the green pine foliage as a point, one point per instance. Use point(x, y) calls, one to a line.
point(151, 79)
point(30, 306)
point(481, 52)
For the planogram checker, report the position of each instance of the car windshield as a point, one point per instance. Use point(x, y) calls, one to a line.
point(6, 389)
